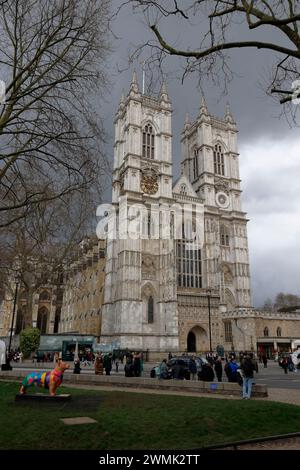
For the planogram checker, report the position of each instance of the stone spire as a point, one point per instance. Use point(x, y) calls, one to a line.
point(228, 115)
point(134, 88)
point(203, 108)
point(164, 93)
point(187, 122)
point(122, 101)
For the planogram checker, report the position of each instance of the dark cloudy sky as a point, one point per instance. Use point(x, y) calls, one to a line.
point(269, 148)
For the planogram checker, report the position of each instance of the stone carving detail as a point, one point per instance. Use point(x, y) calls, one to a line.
point(148, 267)
point(221, 186)
point(228, 278)
point(149, 181)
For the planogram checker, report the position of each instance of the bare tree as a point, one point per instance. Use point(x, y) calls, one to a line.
point(38, 247)
point(216, 22)
point(52, 61)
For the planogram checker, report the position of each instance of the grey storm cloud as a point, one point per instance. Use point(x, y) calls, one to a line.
point(269, 148)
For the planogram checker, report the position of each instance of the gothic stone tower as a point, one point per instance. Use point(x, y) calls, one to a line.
point(211, 163)
point(140, 305)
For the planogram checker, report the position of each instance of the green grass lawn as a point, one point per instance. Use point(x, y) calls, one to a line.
point(137, 421)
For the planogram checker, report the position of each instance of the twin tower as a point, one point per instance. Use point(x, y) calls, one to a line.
point(167, 289)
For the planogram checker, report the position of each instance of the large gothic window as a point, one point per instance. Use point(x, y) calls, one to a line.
point(224, 235)
point(195, 166)
point(148, 142)
point(219, 167)
point(188, 262)
point(42, 320)
point(150, 310)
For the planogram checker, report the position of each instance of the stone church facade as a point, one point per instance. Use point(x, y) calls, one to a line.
point(166, 293)
point(173, 273)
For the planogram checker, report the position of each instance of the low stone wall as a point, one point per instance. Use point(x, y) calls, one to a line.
point(222, 388)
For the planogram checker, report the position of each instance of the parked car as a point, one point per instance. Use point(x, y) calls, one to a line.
point(179, 367)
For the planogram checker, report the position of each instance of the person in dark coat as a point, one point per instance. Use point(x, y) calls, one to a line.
point(265, 361)
point(137, 364)
point(107, 363)
point(77, 367)
point(247, 368)
point(193, 367)
point(128, 368)
point(285, 364)
point(219, 369)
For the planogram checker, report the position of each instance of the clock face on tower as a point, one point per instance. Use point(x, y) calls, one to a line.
point(149, 183)
point(222, 200)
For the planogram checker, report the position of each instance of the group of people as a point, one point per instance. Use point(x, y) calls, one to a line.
point(105, 362)
point(15, 355)
point(242, 372)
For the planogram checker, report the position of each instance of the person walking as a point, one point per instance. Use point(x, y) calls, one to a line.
point(128, 368)
point(193, 368)
point(98, 364)
point(163, 370)
point(285, 364)
point(107, 363)
point(137, 364)
point(77, 368)
point(247, 368)
point(219, 369)
point(231, 370)
point(265, 361)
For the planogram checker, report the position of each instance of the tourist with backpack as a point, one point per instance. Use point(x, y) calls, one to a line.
point(231, 370)
point(247, 368)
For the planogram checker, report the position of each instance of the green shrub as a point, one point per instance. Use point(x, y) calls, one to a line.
point(29, 341)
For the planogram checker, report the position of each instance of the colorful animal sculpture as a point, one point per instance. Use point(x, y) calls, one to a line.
point(50, 380)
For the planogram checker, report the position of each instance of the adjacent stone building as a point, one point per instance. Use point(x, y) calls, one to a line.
point(83, 290)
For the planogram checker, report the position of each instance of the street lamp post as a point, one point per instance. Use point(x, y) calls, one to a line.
point(209, 319)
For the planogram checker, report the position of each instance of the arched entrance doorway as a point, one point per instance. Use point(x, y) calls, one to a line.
point(197, 340)
point(191, 342)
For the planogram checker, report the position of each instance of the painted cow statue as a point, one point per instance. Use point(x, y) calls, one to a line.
point(50, 380)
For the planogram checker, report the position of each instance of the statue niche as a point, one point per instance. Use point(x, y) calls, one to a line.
point(148, 267)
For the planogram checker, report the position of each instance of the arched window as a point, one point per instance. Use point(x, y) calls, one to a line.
point(45, 296)
point(219, 167)
point(266, 331)
point(279, 331)
point(148, 142)
point(42, 320)
point(150, 309)
point(224, 235)
point(183, 190)
point(195, 166)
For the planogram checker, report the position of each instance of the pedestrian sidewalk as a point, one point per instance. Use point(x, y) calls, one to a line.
point(284, 395)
